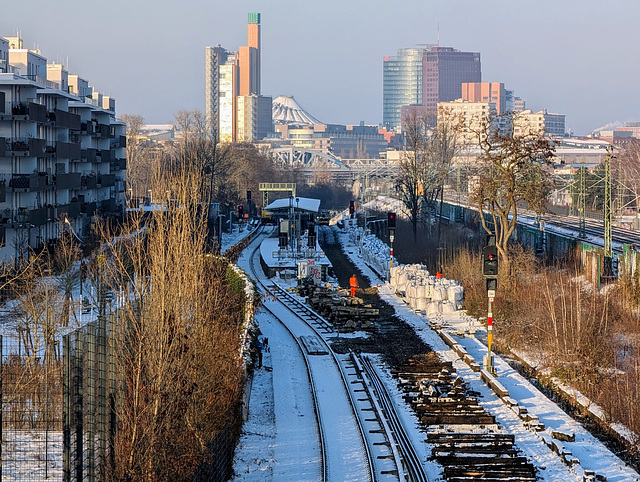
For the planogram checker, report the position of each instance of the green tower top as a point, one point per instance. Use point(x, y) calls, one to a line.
point(254, 18)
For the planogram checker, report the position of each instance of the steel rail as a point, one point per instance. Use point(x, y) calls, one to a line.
point(316, 406)
point(409, 457)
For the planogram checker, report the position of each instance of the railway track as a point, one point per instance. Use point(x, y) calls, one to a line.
point(385, 449)
point(357, 420)
point(342, 437)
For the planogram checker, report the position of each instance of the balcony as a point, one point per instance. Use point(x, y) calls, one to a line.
point(106, 131)
point(107, 206)
point(107, 180)
point(103, 130)
point(70, 180)
point(120, 141)
point(24, 217)
point(88, 182)
point(88, 127)
point(88, 155)
point(28, 182)
point(67, 150)
point(67, 119)
point(88, 208)
point(25, 111)
point(38, 216)
point(3, 146)
point(71, 210)
point(118, 164)
point(24, 147)
point(104, 155)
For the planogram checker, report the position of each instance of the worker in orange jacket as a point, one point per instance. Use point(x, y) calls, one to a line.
point(353, 285)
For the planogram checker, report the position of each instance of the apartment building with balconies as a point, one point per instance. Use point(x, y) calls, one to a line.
point(539, 123)
point(62, 154)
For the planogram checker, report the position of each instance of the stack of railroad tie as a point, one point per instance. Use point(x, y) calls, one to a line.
point(466, 440)
point(346, 313)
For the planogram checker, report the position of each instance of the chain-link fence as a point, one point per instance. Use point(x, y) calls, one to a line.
point(58, 409)
point(31, 397)
point(58, 413)
point(89, 394)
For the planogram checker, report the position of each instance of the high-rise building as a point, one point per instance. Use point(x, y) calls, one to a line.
point(227, 99)
point(493, 92)
point(470, 116)
point(214, 58)
point(253, 117)
point(229, 77)
point(62, 152)
point(401, 85)
point(443, 70)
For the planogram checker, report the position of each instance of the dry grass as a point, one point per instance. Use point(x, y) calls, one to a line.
point(589, 339)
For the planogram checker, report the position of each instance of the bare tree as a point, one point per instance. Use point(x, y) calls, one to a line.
point(179, 334)
point(39, 307)
point(140, 156)
point(66, 267)
point(629, 171)
point(426, 163)
point(412, 168)
point(512, 172)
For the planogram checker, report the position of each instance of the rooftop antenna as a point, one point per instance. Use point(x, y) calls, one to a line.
point(438, 34)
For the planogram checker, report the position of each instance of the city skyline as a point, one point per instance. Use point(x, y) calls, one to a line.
point(568, 58)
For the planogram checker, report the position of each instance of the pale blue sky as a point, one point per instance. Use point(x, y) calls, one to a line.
point(575, 57)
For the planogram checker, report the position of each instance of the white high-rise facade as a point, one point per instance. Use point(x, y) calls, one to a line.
point(62, 153)
point(234, 108)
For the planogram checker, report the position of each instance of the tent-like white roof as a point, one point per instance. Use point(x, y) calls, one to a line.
point(285, 110)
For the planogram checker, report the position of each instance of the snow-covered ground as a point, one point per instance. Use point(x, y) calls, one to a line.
point(271, 450)
point(34, 454)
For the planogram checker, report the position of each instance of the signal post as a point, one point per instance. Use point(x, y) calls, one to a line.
point(391, 224)
point(490, 272)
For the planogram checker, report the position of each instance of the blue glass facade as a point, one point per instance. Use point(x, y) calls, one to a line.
point(401, 85)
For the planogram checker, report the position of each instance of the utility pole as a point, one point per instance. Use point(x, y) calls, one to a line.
point(608, 204)
point(582, 203)
point(391, 224)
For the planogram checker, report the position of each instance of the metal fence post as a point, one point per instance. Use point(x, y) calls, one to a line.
point(90, 365)
point(1, 403)
point(101, 393)
point(78, 390)
point(66, 408)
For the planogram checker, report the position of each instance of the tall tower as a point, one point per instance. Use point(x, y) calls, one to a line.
point(250, 58)
point(234, 108)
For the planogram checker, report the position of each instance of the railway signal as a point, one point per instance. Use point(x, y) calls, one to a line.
point(311, 236)
point(490, 271)
point(352, 209)
point(391, 220)
point(490, 258)
point(391, 223)
point(240, 211)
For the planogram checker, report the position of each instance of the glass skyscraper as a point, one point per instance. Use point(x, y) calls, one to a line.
point(401, 85)
point(422, 77)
